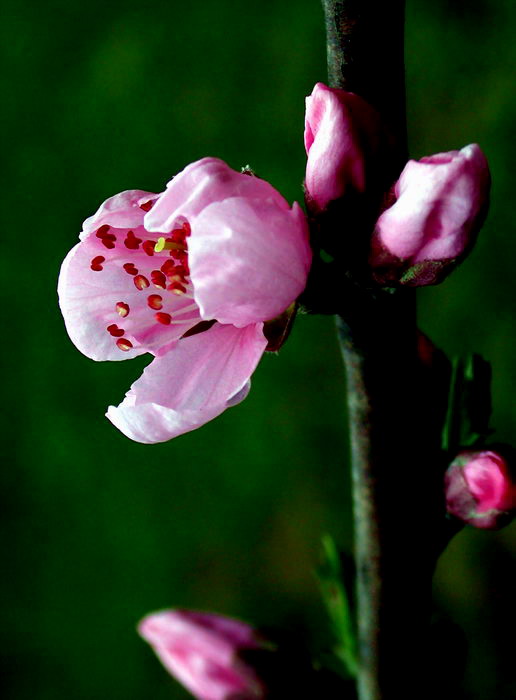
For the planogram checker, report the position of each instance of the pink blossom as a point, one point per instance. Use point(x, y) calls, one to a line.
point(440, 204)
point(201, 651)
point(189, 275)
point(341, 130)
point(480, 489)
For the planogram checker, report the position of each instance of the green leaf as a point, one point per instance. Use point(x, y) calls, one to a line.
point(336, 600)
point(469, 403)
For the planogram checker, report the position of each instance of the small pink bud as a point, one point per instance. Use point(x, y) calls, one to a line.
point(440, 204)
point(480, 490)
point(341, 129)
point(202, 651)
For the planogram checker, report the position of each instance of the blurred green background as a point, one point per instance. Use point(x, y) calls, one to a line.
point(96, 530)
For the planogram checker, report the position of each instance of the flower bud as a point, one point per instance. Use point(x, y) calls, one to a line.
point(480, 489)
point(440, 204)
point(340, 131)
point(202, 651)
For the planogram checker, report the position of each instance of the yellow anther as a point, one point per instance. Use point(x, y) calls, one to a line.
point(162, 244)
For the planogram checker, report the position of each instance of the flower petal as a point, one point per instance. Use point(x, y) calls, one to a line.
point(341, 131)
point(191, 384)
point(249, 259)
point(199, 185)
point(89, 299)
point(201, 651)
point(439, 209)
point(123, 210)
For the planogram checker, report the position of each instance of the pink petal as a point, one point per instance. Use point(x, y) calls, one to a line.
point(341, 130)
point(199, 185)
point(88, 305)
point(489, 481)
point(249, 259)
point(89, 299)
point(200, 650)
point(440, 205)
point(191, 384)
point(123, 210)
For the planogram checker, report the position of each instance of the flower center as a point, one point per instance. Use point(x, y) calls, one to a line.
point(170, 278)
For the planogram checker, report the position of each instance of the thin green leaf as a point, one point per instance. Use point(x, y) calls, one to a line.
point(338, 606)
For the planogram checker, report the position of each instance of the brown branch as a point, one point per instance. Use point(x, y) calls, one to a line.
point(366, 55)
point(398, 503)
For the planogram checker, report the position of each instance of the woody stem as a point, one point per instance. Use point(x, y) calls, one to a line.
point(387, 419)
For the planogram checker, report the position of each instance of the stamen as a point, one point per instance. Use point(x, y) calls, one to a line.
point(180, 271)
point(163, 318)
point(177, 235)
point(155, 301)
point(108, 239)
point(96, 263)
point(122, 308)
point(115, 331)
point(169, 267)
point(130, 268)
point(177, 288)
point(141, 282)
point(148, 247)
point(167, 244)
point(124, 344)
point(185, 310)
point(131, 241)
point(158, 279)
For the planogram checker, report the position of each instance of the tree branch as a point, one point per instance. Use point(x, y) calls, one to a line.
point(394, 411)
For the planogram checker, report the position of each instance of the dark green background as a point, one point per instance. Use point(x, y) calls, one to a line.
point(97, 531)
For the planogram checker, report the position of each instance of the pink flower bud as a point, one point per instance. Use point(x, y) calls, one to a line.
point(201, 651)
point(480, 490)
point(340, 131)
point(440, 204)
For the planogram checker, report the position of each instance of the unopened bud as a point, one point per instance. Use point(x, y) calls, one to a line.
point(202, 651)
point(480, 489)
point(341, 130)
point(440, 204)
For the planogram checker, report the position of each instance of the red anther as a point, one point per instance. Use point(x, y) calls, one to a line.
point(163, 318)
point(176, 288)
point(124, 344)
point(131, 241)
point(177, 235)
point(155, 301)
point(115, 331)
point(130, 268)
point(122, 308)
point(147, 206)
point(158, 279)
point(168, 267)
point(182, 257)
point(96, 263)
point(108, 241)
point(140, 282)
point(180, 271)
point(148, 247)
